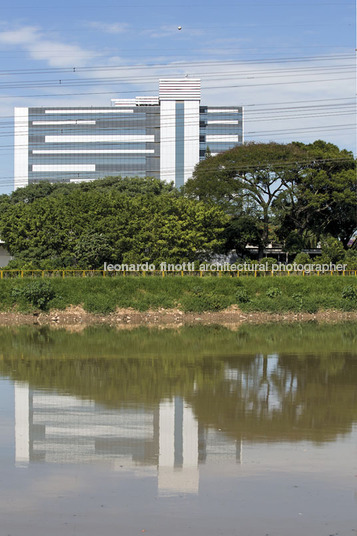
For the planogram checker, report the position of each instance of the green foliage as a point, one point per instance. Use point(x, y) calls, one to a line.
point(114, 220)
point(298, 300)
point(92, 250)
point(273, 292)
point(99, 304)
point(351, 259)
point(204, 302)
point(322, 198)
point(243, 230)
point(332, 251)
point(296, 192)
point(36, 293)
point(195, 294)
point(208, 295)
point(242, 296)
point(349, 292)
point(303, 258)
point(269, 261)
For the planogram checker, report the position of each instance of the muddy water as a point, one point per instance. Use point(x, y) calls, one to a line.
point(198, 431)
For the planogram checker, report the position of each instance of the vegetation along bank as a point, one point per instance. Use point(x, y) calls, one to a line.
point(298, 196)
point(185, 294)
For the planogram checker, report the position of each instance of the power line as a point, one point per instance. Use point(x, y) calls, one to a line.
point(139, 79)
point(247, 167)
point(217, 129)
point(256, 106)
point(241, 86)
point(179, 64)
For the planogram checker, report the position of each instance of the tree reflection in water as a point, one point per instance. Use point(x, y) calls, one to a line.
point(270, 382)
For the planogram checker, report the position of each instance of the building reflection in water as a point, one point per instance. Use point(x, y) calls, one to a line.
point(166, 438)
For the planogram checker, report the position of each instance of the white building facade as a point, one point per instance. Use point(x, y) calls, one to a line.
point(163, 137)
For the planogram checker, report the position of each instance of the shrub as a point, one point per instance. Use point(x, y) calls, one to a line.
point(273, 292)
point(349, 292)
point(99, 303)
point(332, 251)
point(297, 301)
point(351, 259)
point(303, 258)
point(267, 260)
point(198, 291)
point(199, 304)
point(36, 293)
point(242, 296)
point(310, 306)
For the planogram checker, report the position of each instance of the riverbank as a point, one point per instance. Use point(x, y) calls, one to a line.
point(142, 301)
point(77, 318)
point(196, 296)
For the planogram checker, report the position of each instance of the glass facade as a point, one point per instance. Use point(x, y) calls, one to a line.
point(221, 129)
point(67, 144)
point(74, 144)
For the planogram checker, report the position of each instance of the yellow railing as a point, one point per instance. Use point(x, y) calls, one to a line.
point(5, 274)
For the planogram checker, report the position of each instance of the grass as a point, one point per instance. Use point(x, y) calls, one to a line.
point(190, 294)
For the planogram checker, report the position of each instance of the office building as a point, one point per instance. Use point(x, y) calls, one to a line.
point(163, 137)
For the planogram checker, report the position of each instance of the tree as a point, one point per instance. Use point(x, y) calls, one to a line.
point(291, 188)
point(108, 220)
point(322, 198)
point(332, 251)
point(242, 230)
point(91, 250)
point(172, 229)
point(246, 178)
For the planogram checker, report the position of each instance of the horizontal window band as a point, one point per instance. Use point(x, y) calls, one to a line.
point(94, 151)
point(69, 122)
point(91, 111)
point(223, 111)
point(63, 167)
point(120, 138)
point(223, 122)
point(222, 138)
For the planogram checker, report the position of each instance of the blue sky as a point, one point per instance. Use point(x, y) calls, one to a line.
point(290, 63)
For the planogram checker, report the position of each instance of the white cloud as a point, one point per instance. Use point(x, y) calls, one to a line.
point(319, 93)
point(114, 28)
point(292, 100)
point(21, 36)
point(40, 47)
point(304, 101)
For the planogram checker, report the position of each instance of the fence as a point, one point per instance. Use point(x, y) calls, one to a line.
point(5, 274)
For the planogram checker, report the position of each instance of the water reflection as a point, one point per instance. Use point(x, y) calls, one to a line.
point(133, 424)
point(61, 429)
point(150, 418)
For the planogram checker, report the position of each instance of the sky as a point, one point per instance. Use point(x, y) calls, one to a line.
point(290, 63)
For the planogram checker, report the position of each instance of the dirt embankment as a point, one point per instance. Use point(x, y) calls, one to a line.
point(126, 318)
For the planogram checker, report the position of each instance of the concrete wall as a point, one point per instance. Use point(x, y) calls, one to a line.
point(5, 257)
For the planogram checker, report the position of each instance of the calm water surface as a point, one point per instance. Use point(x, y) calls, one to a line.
point(199, 431)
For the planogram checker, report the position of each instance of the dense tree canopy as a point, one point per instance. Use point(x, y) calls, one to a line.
point(111, 220)
point(295, 193)
point(281, 191)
